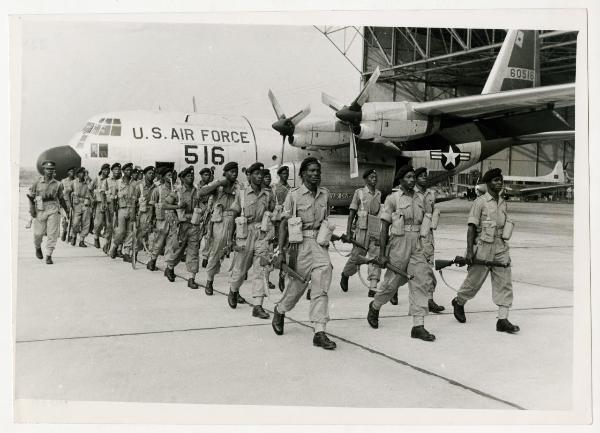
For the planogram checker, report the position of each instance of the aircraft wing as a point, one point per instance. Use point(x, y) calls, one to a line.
point(542, 188)
point(478, 106)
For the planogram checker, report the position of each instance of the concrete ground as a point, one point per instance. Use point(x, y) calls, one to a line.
point(91, 328)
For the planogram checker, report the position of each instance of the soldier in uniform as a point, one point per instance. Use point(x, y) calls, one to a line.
point(66, 182)
point(281, 190)
point(366, 203)
point(401, 220)
point(309, 202)
point(428, 197)
point(223, 214)
point(486, 241)
point(252, 204)
point(206, 177)
point(46, 195)
point(126, 204)
point(110, 187)
point(145, 216)
point(187, 233)
point(100, 203)
point(163, 200)
point(81, 200)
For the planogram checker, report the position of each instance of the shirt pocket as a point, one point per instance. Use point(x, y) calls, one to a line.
point(488, 230)
point(305, 212)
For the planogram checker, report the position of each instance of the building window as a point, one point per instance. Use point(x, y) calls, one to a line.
point(94, 150)
point(103, 150)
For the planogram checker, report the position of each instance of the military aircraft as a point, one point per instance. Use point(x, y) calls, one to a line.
point(457, 132)
point(524, 186)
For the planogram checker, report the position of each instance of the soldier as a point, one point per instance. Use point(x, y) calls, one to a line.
point(206, 176)
point(252, 203)
point(222, 218)
point(126, 204)
point(110, 187)
point(145, 216)
point(187, 233)
point(163, 200)
point(66, 182)
point(310, 204)
point(98, 190)
point(486, 240)
point(266, 184)
point(45, 195)
point(81, 200)
point(281, 190)
point(365, 204)
point(428, 197)
point(401, 220)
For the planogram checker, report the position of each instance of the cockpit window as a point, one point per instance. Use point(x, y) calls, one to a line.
point(105, 127)
point(98, 150)
point(88, 127)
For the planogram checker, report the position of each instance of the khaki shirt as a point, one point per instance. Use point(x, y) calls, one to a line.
point(49, 191)
point(80, 192)
point(281, 192)
point(160, 194)
point(224, 198)
point(371, 202)
point(428, 198)
point(489, 212)
point(67, 187)
point(312, 210)
point(411, 207)
point(189, 197)
point(255, 204)
point(111, 187)
point(125, 193)
point(143, 193)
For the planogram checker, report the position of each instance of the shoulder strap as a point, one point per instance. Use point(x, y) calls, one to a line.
point(242, 200)
point(360, 198)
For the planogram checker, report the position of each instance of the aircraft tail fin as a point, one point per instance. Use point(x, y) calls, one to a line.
point(517, 64)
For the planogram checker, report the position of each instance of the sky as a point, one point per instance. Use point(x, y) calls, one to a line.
point(74, 70)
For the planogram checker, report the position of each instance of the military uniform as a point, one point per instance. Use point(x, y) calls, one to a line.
point(110, 188)
point(66, 182)
point(98, 190)
point(47, 215)
point(145, 216)
point(405, 251)
point(253, 205)
point(126, 202)
point(312, 259)
point(166, 220)
point(206, 203)
point(370, 202)
point(81, 200)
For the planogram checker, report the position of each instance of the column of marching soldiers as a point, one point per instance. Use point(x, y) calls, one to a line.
point(283, 228)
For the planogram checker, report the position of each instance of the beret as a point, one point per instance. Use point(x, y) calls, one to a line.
point(105, 165)
point(162, 170)
point(254, 167)
point(205, 170)
point(368, 172)
point(186, 171)
point(70, 168)
point(147, 169)
point(403, 170)
point(306, 162)
point(283, 168)
point(491, 174)
point(80, 170)
point(116, 164)
point(49, 164)
point(266, 172)
point(420, 170)
point(127, 165)
point(230, 166)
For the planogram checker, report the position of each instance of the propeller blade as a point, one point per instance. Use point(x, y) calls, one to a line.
point(331, 102)
point(276, 107)
point(282, 149)
point(364, 93)
point(353, 157)
point(300, 115)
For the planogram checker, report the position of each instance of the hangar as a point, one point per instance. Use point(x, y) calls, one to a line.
point(423, 64)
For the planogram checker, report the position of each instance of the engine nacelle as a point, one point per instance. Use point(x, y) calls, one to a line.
point(386, 121)
point(366, 131)
point(302, 139)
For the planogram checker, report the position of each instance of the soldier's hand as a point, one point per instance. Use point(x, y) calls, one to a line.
point(279, 259)
point(381, 261)
point(469, 257)
point(349, 235)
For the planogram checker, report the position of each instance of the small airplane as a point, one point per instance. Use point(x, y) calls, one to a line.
point(523, 186)
point(453, 133)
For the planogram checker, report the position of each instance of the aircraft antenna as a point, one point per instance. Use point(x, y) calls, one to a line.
point(194, 103)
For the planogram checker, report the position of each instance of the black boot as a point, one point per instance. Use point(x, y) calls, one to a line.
point(503, 325)
point(434, 308)
point(321, 340)
point(97, 243)
point(344, 282)
point(259, 311)
point(278, 321)
point(232, 299)
point(281, 282)
point(112, 253)
point(373, 316)
point(170, 274)
point(394, 300)
point(371, 293)
point(209, 288)
point(459, 311)
point(204, 262)
point(63, 237)
point(82, 244)
point(127, 258)
point(49, 260)
point(240, 300)
point(39, 254)
point(421, 333)
point(73, 240)
point(192, 284)
point(151, 265)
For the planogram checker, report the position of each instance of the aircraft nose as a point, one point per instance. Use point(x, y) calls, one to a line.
point(65, 157)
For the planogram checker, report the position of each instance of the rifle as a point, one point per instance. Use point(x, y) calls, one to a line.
point(461, 261)
point(284, 268)
point(70, 223)
point(134, 243)
point(345, 239)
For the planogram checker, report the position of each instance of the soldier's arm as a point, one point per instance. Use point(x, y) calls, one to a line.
point(283, 224)
point(61, 199)
point(389, 207)
point(211, 187)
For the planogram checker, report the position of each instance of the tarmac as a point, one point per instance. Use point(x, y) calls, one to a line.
point(89, 328)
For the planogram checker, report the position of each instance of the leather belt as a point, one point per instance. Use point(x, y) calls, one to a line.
point(412, 227)
point(228, 213)
point(310, 233)
point(46, 200)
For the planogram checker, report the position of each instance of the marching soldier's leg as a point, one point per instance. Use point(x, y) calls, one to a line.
point(294, 289)
point(65, 225)
point(476, 275)
point(76, 228)
point(86, 219)
point(192, 260)
point(172, 251)
point(221, 231)
point(160, 238)
point(119, 233)
point(502, 291)
point(374, 271)
point(418, 289)
point(428, 249)
point(351, 267)
point(242, 262)
point(52, 231)
point(205, 250)
point(39, 229)
point(128, 240)
point(261, 276)
point(99, 224)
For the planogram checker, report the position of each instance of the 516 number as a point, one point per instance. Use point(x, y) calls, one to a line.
point(192, 156)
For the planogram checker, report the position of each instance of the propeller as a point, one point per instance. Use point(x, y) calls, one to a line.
point(286, 125)
point(351, 116)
